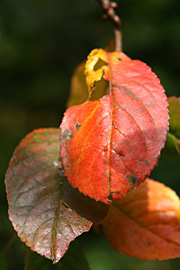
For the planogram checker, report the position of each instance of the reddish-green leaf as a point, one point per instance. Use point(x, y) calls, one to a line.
point(146, 223)
point(34, 188)
point(110, 145)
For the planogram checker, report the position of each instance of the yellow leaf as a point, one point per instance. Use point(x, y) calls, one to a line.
point(78, 88)
point(92, 75)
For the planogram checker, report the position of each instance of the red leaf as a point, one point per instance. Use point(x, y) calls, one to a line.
point(146, 223)
point(34, 188)
point(110, 145)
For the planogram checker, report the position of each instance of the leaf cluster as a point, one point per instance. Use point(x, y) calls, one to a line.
point(49, 213)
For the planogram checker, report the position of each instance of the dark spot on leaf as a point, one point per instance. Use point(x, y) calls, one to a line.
point(119, 59)
point(67, 134)
point(147, 163)
point(77, 125)
point(119, 154)
point(150, 101)
point(132, 180)
point(149, 243)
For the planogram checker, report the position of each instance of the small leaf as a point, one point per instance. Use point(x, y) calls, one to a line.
point(110, 145)
point(146, 223)
point(172, 147)
point(73, 260)
point(174, 113)
point(34, 189)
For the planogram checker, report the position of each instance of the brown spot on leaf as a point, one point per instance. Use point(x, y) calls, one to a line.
point(77, 125)
point(119, 59)
point(147, 162)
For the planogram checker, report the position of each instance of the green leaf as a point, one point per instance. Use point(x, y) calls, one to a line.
point(73, 260)
point(172, 147)
point(174, 113)
point(34, 185)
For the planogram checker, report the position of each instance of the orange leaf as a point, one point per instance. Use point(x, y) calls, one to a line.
point(146, 223)
point(110, 145)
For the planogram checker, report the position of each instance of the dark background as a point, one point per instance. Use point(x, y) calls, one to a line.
point(41, 43)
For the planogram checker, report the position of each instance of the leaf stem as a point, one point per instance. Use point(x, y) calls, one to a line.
point(109, 12)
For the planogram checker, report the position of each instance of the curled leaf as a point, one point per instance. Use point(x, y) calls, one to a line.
point(78, 88)
point(146, 223)
point(34, 187)
point(110, 145)
point(93, 76)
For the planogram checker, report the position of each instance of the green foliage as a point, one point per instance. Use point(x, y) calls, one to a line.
point(172, 148)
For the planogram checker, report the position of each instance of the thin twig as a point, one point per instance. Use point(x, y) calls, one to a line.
point(110, 13)
point(8, 243)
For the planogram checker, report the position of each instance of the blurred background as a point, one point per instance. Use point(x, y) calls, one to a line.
point(41, 43)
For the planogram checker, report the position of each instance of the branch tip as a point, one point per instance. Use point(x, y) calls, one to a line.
point(109, 12)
